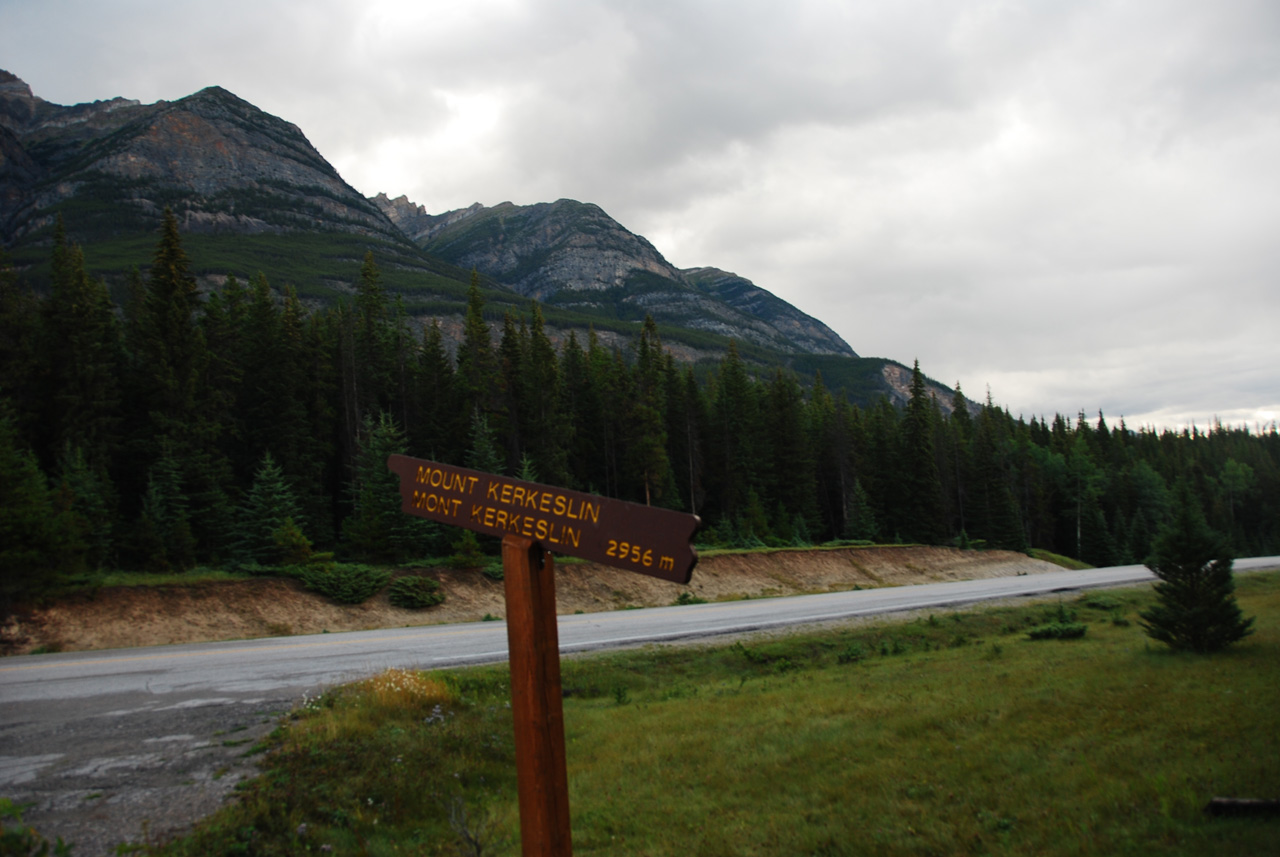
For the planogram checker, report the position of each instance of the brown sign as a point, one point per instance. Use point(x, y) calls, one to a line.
point(626, 535)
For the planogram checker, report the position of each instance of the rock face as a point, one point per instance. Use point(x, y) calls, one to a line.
point(805, 331)
point(573, 255)
point(222, 164)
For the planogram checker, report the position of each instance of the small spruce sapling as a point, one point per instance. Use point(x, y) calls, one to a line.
point(1196, 609)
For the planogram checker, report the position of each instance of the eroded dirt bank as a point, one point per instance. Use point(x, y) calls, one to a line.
point(141, 616)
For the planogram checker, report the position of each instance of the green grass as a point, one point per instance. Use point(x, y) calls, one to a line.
point(1058, 559)
point(194, 577)
point(946, 734)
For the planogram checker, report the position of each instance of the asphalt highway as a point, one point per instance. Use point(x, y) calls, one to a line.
point(116, 746)
point(296, 664)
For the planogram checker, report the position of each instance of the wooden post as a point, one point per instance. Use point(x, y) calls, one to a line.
point(536, 704)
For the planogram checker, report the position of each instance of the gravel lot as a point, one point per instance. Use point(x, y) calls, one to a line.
point(142, 769)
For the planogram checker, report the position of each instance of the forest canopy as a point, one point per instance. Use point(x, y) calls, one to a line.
point(150, 436)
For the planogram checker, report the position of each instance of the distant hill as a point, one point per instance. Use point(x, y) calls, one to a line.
point(252, 194)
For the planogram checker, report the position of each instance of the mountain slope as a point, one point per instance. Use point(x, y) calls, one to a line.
point(250, 191)
point(573, 255)
point(807, 332)
point(252, 194)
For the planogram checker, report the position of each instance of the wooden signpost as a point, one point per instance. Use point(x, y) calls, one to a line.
point(535, 522)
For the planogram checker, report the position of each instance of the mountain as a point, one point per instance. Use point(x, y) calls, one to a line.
point(574, 256)
point(805, 331)
point(252, 194)
point(226, 168)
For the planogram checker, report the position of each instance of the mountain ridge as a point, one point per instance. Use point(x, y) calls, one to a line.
point(252, 194)
point(574, 255)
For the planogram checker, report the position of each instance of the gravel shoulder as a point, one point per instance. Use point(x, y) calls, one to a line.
point(127, 617)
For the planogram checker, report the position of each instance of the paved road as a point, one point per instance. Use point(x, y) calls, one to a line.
point(291, 665)
point(102, 741)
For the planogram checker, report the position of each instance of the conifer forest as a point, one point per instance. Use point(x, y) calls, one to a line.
point(230, 428)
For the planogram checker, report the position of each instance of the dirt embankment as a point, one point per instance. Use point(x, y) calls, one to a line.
point(142, 616)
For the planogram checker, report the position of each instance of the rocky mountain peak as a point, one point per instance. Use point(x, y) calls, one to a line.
point(218, 160)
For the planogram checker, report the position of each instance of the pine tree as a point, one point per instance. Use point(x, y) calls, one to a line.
point(1196, 609)
point(434, 435)
point(686, 422)
point(169, 353)
point(90, 501)
point(83, 359)
point(270, 505)
point(861, 522)
point(20, 381)
point(923, 519)
point(646, 443)
point(477, 366)
point(36, 540)
point(736, 435)
point(374, 341)
point(582, 410)
point(482, 452)
point(547, 434)
point(163, 540)
point(791, 468)
point(377, 529)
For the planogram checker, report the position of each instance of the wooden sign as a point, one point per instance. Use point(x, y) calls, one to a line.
point(533, 519)
point(626, 535)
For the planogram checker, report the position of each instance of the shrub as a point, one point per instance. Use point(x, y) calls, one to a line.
point(21, 839)
point(345, 583)
point(1101, 602)
point(415, 593)
point(467, 553)
point(292, 547)
point(852, 653)
point(1058, 631)
point(688, 598)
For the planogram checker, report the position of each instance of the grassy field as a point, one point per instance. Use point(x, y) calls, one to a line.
point(947, 734)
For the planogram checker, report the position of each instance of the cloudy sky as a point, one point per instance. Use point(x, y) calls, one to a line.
point(1075, 204)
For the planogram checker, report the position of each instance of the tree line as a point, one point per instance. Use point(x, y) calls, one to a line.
point(236, 427)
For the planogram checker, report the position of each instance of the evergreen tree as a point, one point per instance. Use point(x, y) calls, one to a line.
point(433, 435)
point(374, 341)
point(646, 443)
point(736, 436)
point(923, 518)
point(269, 507)
point(163, 540)
point(37, 542)
point(582, 410)
point(547, 434)
point(791, 469)
point(509, 418)
point(20, 381)
point(861, 521)
point(169, 353)
point(686, 429)
point(960, 434)
point(377, 529)
point(993, 515)
point(82, 358)
point(90, 501)
point(477, 366)
point(483, 453)
point(1196, 608)
point(222, 323)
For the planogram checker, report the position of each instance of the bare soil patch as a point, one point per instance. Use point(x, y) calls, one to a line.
point(125, 617)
